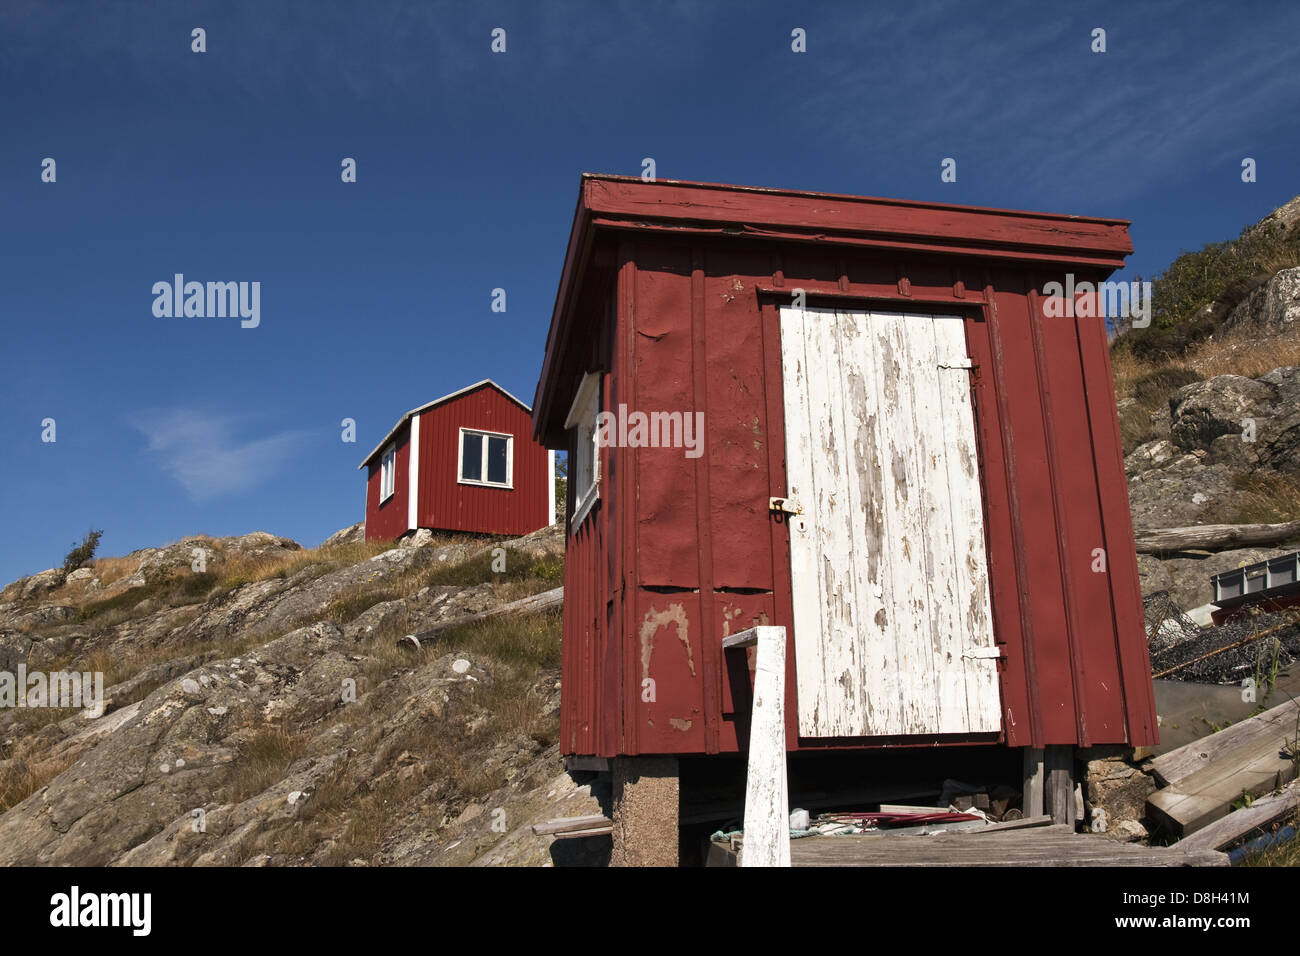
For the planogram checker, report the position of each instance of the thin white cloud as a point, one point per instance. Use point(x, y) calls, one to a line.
point(204, 454)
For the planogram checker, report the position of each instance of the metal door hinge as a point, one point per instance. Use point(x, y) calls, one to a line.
point(982, 653)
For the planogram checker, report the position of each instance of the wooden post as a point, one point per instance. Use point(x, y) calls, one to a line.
point(767, 801)
point(1031, 801)
point(1059, 766)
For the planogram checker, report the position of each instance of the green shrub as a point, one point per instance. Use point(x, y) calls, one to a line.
point(1222, 273)
point(81, 553)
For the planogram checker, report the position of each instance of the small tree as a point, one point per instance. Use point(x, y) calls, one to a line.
point(81, 553)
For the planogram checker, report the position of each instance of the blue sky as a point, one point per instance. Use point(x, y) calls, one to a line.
point(375, 296)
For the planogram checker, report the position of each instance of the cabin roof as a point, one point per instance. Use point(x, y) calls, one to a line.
point(437, 401)
point(621, 204)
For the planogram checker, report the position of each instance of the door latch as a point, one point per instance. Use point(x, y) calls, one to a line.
point(784, 506)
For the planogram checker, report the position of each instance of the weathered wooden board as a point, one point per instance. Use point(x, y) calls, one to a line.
point(1204, 778)
point(1207, 795)
point(1242, 823)
point(892, 622)
point(591, 821)
point(767, 801)
point(1171, 768)
point(533, 604)
point(1214, 536)
point(1041, 846)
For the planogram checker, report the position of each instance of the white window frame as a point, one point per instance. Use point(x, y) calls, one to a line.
point(585, 468)
point(387, 473)
point(483, 470)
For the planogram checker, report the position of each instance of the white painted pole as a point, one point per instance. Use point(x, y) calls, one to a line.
point(767, 801)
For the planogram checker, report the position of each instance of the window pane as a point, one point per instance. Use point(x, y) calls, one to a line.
point(497, 461)
point(471, 458)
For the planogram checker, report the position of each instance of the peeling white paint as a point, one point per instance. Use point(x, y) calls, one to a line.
point(890, 582)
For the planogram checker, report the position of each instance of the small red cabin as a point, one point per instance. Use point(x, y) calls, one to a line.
point(858, 419)
point(463, 462)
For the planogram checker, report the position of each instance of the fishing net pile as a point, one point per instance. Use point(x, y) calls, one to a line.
point(1256, 643)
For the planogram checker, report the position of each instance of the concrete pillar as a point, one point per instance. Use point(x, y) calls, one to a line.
point(646, 801)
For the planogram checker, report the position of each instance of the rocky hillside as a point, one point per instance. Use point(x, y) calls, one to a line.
point(262, 706)
point(1212, 435)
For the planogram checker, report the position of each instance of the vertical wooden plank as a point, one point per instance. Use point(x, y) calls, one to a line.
point(1031, 799)
point(969, 559)
point(908, 581)
point(1046, 645)
point(1058, 765)
point(1129, 633)
point(934, 513)
point(877, 651)
point(833, 516)
point(797, 327)
point(1018, 717)
point(710, 640)
point(773, 390)
point(621, 524)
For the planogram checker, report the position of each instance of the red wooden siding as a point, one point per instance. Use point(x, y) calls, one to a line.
point(446, 503)
point(388, 520)
point(680, 552)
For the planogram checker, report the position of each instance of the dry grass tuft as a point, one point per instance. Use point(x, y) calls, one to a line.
point(1264, 497)
point(263, 761)
point(1246, 355)
point(20, 779)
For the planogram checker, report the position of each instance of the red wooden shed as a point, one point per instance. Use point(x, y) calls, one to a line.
point(904, 461)
point(463, 462)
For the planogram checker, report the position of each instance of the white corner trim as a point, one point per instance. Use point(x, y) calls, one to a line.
point(550, 460)
point(413, 477)
point(590, 382)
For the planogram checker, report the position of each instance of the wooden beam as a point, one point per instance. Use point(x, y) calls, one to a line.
point(1204, 778)
point(588, 764)
point(1058, 764)
point(1031, 801)
point(1212, 537)
point(767, 801)
point(1235, 826)
point(1027, 823)
point(1048, 846)
point(534, 604)
point(1171, 768)
point(606, 830)
point(566, 824)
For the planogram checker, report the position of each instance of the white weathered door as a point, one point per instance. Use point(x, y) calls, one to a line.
point(892, 627)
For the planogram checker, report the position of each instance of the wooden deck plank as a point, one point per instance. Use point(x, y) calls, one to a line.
point(1204, 778)
point(1172, 767)
point(1044, 846)
point(1241, 823)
